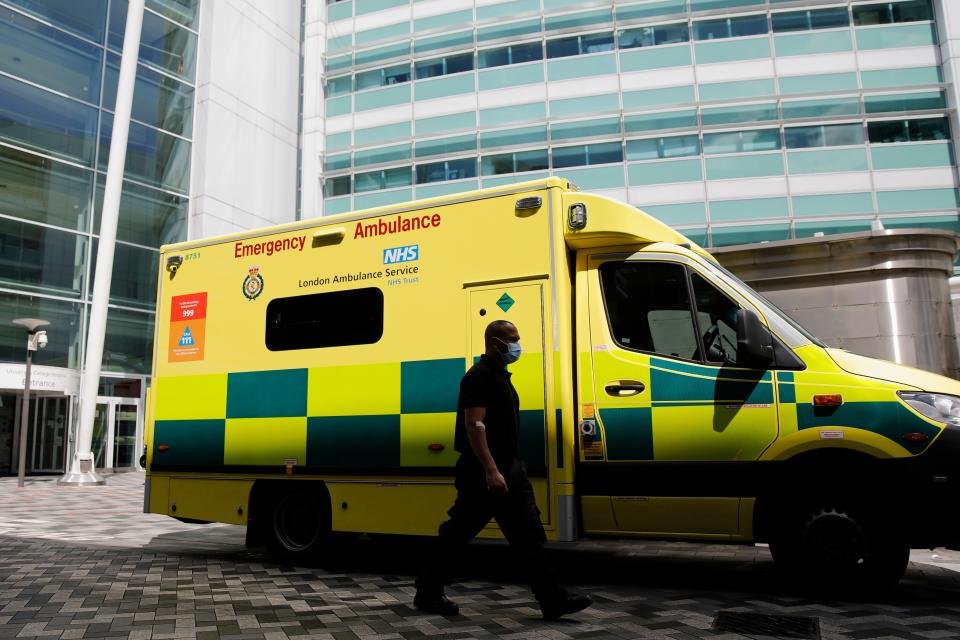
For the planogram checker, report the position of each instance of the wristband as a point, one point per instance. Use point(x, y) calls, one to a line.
point(479, 425)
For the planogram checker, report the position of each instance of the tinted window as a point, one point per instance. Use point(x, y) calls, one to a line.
point(648, 306)
point(319, 320)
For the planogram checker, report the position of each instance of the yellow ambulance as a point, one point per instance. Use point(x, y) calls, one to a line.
point(305, 382)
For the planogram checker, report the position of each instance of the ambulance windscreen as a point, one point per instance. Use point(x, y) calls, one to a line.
point(318, 320)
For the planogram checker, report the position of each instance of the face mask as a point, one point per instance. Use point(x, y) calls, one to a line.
point(512, 354)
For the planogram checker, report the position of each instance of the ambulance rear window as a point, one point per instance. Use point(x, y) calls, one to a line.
point(317, 320)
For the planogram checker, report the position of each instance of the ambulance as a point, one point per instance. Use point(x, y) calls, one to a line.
point(305, 382)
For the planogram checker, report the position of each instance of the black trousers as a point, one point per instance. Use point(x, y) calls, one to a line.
point(519, 520)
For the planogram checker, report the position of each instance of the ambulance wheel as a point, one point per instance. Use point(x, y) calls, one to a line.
point(840, 549)
point(299, 527)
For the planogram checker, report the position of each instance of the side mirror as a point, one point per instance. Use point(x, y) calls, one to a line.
point(754, 341)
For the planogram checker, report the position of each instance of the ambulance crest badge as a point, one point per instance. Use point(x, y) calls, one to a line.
point(253, 283)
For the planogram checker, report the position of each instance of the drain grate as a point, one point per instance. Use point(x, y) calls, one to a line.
point(767, 625)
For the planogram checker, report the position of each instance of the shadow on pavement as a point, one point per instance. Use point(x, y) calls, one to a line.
point(687, 568)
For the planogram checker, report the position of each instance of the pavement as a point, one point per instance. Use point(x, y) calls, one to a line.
point(87, 563)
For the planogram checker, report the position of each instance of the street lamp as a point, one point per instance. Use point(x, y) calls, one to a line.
point(35, 340)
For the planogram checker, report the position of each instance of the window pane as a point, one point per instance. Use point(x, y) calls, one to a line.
point(134, 280)
point(526, 52)
point(711, 29)
point(339, 86)
point(46, 122)
point(563, 47)
point(460, 169)
point(497, 165)
point(717, 316)
point(341, 186)
point(929, 129)
point(643, 149)
point(680, 146)
point(158, 100)
point(84, 17)
point(162, 43)
point(458, 64)
point(531, 160)
point(569, 157)
point(765, 140)
point(369, 79)
point(596, 43)
point(738, 141)
point(147, 216)
point(396, 74)
point(912, 11)
point(182, 11)
point(397, 177)
point(631, 38)
point(648, 307)
point(604, 153)
point(153, 157)
point(333, 163)
point(381, 155)
point(64, 330)
point(43, 190)
point(748, 26)
point(446, 146)
point(671, 33)
point(894, 131)
point(429, 69)
point(128, 345)
point(362, 182)
point(319, 320)
point(806, 20)
point(803, 137)
point(493, 58)
point(47, 56)
point(842, 134)
point(35, 257)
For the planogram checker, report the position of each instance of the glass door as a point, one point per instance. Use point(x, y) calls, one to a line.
point(125, 436)
point(117, 428)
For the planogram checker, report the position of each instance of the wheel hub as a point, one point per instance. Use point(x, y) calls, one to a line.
point(833, 538)
point(297, 522)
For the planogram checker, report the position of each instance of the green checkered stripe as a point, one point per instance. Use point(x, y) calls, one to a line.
point(336, 443)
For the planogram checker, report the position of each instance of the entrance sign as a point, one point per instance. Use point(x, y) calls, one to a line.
point(42, 378)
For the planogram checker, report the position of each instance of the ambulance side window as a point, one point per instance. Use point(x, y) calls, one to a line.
point(717, 316)
point(317, 320)
point(648, 307)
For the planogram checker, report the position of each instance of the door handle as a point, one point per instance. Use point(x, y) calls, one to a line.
point(624, 388)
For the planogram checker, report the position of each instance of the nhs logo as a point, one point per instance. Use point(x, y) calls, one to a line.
point(401, 254)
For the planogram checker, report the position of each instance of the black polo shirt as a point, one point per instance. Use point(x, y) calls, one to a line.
point(487, 384)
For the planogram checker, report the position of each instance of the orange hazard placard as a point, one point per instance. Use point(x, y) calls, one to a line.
point(188, 318)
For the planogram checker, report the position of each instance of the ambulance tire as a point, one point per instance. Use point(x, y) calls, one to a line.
point(839, 548)
point(299, 527)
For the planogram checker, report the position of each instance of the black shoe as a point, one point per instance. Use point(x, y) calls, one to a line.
point(435, 603)
point(566, 604)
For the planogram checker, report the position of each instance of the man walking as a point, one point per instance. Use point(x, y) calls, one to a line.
point(492, 482)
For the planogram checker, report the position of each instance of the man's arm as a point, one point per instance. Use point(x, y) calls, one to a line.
point(477, 435)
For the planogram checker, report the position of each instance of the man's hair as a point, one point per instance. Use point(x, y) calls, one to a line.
point(496, 329)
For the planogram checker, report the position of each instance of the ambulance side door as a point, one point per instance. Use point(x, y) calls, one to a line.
point(677, 420)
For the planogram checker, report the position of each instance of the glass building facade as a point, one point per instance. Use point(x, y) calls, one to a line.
point(59, 66)
point(735, 121)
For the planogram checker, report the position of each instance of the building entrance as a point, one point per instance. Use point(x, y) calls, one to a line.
point(117, 433)
point(46, 433)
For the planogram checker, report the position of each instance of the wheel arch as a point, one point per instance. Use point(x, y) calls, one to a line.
point(807, 473)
